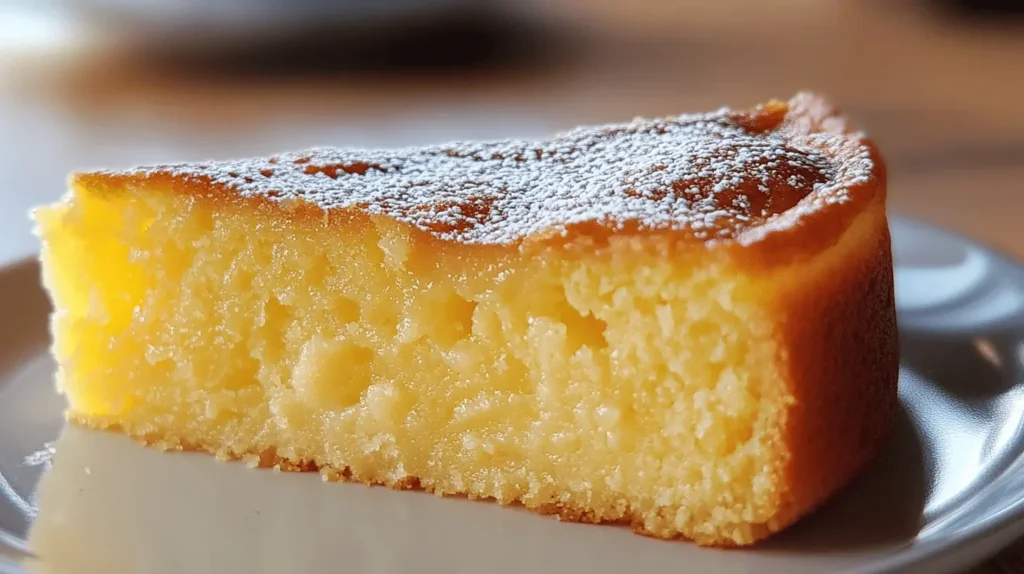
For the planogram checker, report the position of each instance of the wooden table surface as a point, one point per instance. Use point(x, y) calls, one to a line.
point(944, 98)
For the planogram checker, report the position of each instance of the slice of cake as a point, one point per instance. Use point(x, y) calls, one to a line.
point(683, 323)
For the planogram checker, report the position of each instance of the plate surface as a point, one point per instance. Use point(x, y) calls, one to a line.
point(947, 492)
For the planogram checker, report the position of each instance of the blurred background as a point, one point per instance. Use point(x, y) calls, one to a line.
point(115, 83)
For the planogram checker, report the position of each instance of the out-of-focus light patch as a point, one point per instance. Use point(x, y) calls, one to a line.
point(989, 352)
point(29, 29)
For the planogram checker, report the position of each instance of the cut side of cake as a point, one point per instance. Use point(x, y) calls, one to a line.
point(683, 323)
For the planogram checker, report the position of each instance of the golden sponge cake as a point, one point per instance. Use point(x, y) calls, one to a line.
point(683, 323)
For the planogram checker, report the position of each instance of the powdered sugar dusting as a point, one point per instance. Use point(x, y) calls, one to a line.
point(710, 174)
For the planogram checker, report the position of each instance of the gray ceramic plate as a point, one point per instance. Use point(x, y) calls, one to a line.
point(948, 492)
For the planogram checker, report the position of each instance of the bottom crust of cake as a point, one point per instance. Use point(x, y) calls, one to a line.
point(269, 459)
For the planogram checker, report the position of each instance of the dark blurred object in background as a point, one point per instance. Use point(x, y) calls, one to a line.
point(983, 8)
point(457, 42)
point(301, 37)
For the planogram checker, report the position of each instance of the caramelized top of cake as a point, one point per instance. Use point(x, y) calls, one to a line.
point(711, 176)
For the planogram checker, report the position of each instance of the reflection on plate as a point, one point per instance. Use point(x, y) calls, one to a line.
point(947, 285)
point(947, 492)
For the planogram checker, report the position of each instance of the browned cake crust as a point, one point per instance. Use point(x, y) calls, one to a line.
point(772, 189)
point(773, 182)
